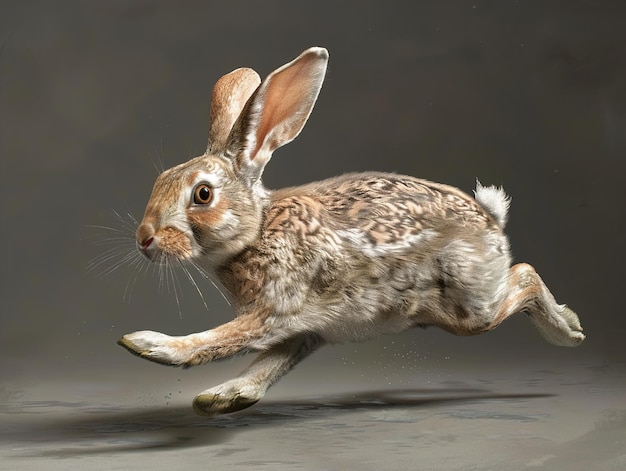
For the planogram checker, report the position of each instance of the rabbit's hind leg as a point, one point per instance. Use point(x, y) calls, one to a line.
point(527, 292)
point(251, 385)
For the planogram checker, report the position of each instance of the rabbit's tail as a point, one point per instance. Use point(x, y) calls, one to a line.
point(495, 201)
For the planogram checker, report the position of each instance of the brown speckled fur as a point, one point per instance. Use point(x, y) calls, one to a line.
point(344, 259)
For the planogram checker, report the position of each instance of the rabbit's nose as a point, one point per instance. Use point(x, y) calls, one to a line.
point(148, 248)
point(145, 239)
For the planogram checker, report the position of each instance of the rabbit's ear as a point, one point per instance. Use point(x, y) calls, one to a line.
point(277, 111)
point(230, 94)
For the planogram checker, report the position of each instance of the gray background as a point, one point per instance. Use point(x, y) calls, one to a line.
point(95, 96)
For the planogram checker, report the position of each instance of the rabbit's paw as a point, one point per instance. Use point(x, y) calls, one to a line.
point(154, 346)
point(562, 328)
point(573, 331)
point(226, 398)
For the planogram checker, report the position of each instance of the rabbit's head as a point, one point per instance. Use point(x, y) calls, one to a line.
point(213, 205)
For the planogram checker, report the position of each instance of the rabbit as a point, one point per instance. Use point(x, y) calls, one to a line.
point(339, 260)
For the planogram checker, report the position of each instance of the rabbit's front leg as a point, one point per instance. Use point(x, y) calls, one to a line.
point(250, 386)
point(236, 336)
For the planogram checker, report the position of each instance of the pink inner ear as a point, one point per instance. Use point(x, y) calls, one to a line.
point(280, 100)
point(286, 103)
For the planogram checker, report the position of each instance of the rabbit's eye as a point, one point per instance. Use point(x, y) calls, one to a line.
point(203, 194)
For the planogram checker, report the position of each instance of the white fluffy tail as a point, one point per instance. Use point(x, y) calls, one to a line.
point(495, 201)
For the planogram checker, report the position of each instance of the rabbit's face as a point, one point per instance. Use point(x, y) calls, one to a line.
point(200, 208)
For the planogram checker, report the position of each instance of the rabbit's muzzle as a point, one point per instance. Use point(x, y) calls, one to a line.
point(164, 242)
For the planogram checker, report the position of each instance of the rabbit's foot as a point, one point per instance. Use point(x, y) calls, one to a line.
point(154, 346)
point(563, 328)
point(231, 396)
point(573, 330)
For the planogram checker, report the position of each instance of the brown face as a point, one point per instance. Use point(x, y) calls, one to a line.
point(197, 208)
point(166, 229)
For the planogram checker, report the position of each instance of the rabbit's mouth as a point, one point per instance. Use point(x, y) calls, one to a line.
point(165, 243)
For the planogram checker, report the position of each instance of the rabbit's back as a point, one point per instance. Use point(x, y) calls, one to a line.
point(389, 207)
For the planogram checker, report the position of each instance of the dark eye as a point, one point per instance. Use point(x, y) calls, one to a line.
point(202, 194)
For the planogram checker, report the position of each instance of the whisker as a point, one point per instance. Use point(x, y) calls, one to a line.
point(161, 269)
point(159, 163)
point(108, 228)
point(141, 264)
point(123, 261)
point(110, 255)
point(132, 219)
point(207, 276)
point(175, 285)
point(138, 261)
point(128, 289)
point(123, 253)
point(158, 166)
point(128, 223)
point(144, 267)
point(103, 258)
point(119, 256)
point(117, 240)
point(193, 282)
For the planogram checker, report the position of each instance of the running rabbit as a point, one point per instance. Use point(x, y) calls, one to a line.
point(344, 259)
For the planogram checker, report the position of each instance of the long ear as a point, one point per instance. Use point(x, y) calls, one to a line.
point(277, 111)
point(230, 94)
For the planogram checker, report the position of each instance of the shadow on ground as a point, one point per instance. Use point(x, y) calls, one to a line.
point(59, 429)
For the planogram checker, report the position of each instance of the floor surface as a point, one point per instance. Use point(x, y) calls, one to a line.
point(554, 419)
